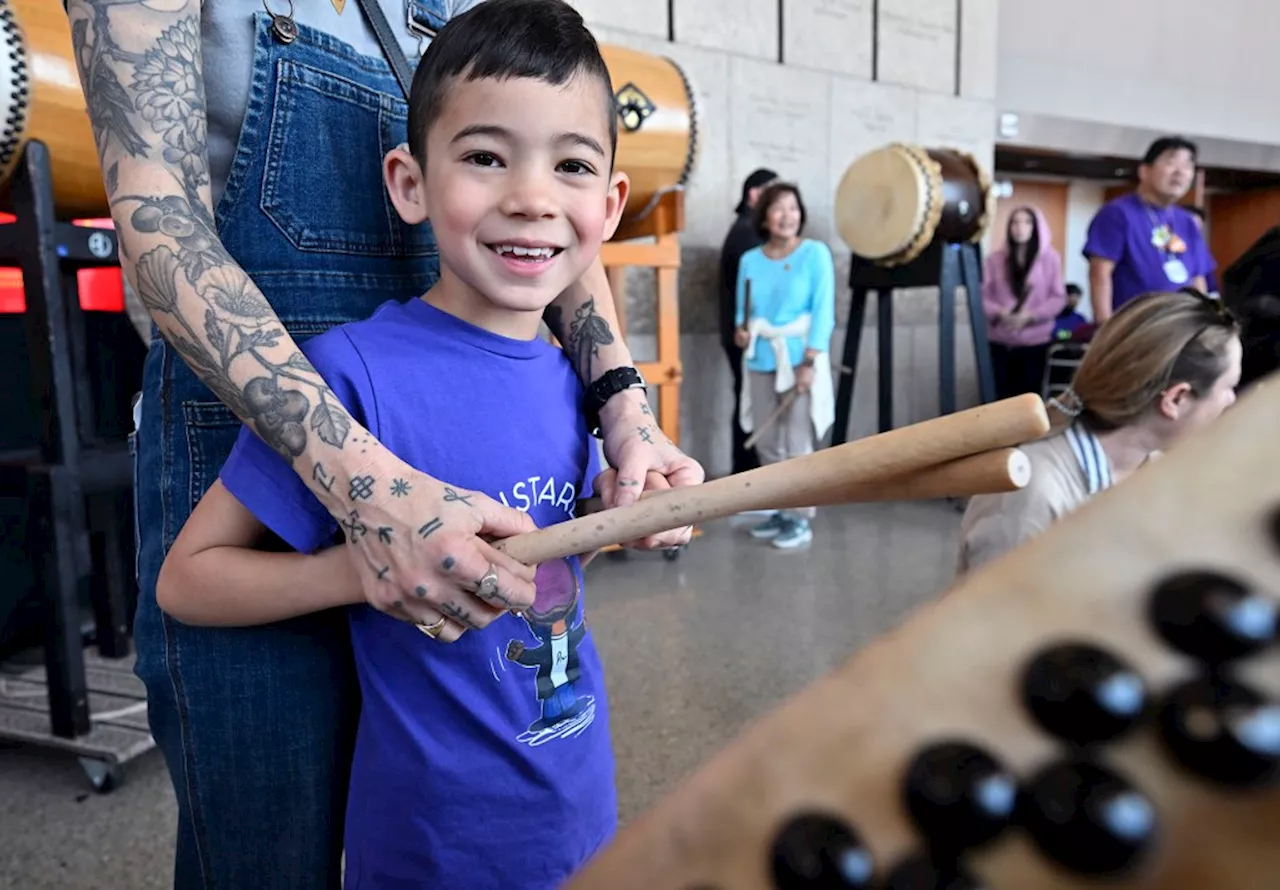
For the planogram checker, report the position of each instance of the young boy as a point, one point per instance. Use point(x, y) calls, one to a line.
point(486, 762)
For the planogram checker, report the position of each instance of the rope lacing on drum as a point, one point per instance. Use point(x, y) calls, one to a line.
point(15, 124)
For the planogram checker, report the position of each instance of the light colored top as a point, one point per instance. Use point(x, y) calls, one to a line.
point(226, 30)
point(784, 290)
point(1067, 469)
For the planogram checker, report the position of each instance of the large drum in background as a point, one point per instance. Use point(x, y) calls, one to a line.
point(895, 201)
point(657, 129)
point(40, 98)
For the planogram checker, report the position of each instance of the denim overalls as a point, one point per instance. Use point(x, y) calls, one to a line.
point(257, 724)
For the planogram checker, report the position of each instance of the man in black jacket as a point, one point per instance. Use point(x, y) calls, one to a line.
point(741, 238)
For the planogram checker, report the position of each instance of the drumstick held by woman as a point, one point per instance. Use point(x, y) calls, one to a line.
point(785, 318)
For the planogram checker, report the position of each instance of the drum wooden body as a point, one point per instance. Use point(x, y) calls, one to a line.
point(895, 201)
point(657, 129)
point(41, 98)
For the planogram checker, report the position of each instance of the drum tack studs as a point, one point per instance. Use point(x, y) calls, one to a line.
point(820, 851)
point(1087, 818)
point(921, 872)
point(1212, 617)
point(1222, 731)
point(1082, 694)
point(958, 796)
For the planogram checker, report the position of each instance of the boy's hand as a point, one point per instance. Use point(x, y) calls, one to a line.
point(419, 547)
point(638, 450)
point(741, 338)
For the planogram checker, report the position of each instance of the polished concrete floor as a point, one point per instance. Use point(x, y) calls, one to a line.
point(694, 649)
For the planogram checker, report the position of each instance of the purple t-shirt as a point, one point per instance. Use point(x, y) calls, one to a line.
point(485, 763)
point(1126, 231)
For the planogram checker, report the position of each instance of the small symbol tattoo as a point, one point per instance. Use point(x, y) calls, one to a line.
point(400, 488)
point(384, 534)
point(449, 563)
point(361, 488)
point(355, 528)
point(383, 574)
point(450, 495)
point(644, 409)
point(319, 475)
point(645, 434)
point(420, 590)
point(430, 528)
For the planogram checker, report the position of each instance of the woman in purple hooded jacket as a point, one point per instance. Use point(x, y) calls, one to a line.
point(1022, 294)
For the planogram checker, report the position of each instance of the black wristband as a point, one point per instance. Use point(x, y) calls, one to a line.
point(605, 387)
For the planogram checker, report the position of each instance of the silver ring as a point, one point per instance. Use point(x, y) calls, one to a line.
point(487, 587)
point(433, 630)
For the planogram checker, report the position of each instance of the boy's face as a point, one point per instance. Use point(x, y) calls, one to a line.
point(518, 188)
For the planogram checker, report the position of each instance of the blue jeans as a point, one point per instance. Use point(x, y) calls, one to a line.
point(257, 724)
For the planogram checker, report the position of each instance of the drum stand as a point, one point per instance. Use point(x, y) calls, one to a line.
point(662, 254)
point(942, 265)
point(77, 486)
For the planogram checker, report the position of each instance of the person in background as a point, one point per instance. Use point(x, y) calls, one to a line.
point(742, 237)
point(1162, 367)
point(1069, 320)
point(1143, 241)
point(785, 334)
point(1022, 295)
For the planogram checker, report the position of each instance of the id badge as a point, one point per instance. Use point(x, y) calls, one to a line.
point(1175, 271)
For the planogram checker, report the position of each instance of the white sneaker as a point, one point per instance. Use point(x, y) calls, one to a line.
point(797, 534)
point(770, 528)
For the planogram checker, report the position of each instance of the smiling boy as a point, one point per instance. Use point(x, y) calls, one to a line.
point(487, 762)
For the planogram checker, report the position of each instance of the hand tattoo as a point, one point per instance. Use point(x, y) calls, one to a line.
point(320, 476)
point(450, 495)
point(382, 574)
point(355, 528)
point(361, 488)
point(400, 488)
point(430, 528)
point(645, 433)
point(384, 534)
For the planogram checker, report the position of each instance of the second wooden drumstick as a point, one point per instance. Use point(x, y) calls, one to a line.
point(800, 480)
point(991, 472)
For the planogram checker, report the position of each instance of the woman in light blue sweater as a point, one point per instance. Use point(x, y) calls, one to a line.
point(785, 316)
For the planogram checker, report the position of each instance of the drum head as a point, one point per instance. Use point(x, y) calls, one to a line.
point(882, 202)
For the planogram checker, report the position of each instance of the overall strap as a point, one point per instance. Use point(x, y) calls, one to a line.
point(387, 39)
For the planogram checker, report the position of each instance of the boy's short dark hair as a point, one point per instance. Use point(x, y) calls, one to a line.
point(767, 197)
point(1169, 143)
point(1073, 290)
point(545, 40)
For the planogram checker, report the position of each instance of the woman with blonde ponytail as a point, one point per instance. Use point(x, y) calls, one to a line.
point(1164, 365)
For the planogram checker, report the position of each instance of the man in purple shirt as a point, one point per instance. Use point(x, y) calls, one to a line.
point(1144, 241)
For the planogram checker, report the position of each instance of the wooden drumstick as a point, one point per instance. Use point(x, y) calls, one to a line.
point(807, 479)
point(783, 405)
point(998, 470)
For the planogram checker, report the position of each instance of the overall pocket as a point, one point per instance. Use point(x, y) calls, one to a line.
point(212, 429)
point(319, 187)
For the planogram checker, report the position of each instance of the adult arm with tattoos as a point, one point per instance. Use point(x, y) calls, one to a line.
point(644, 457)
point(141, 70)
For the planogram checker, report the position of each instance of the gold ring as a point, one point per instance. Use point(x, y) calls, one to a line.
point(433, 630)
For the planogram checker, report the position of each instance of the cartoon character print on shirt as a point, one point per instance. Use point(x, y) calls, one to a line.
point(555, 659)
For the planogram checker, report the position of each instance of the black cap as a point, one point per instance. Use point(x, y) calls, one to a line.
point(758, 178)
